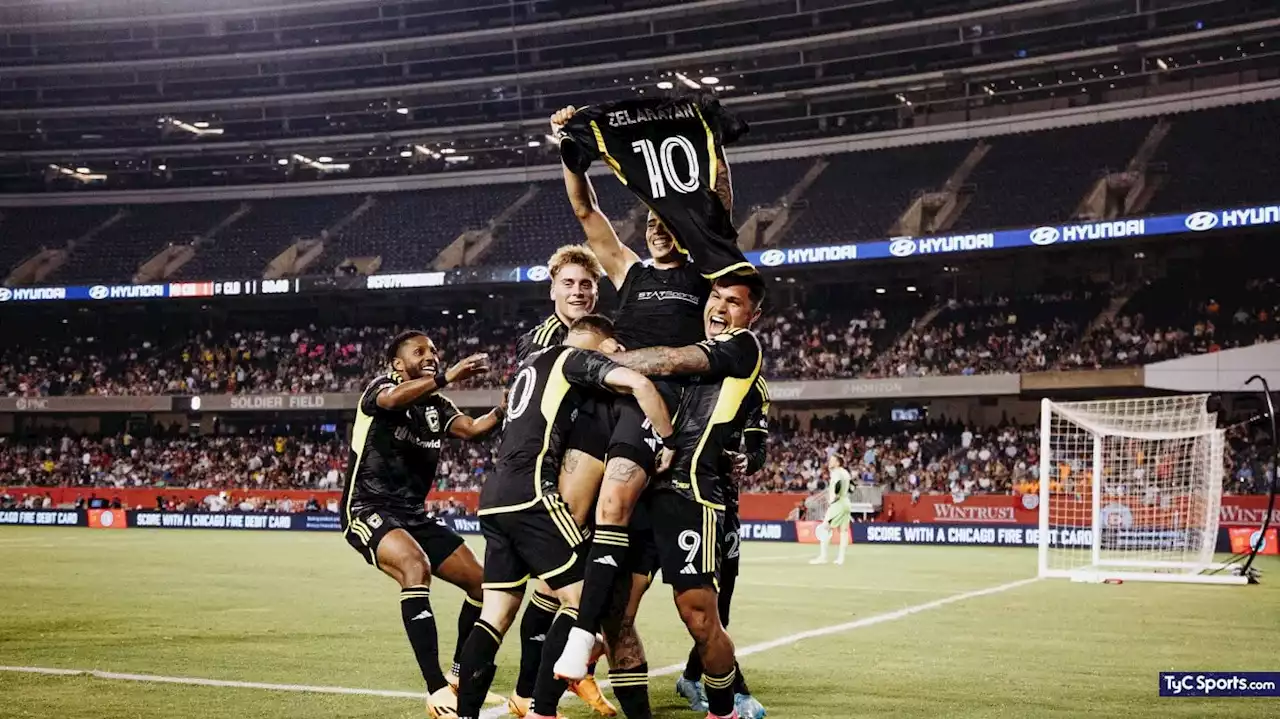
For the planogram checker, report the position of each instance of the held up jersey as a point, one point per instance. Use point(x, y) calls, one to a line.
point(660, 307)
point(665, 151)
point(394, 453)
point(542, 404)
point(749, 438)
point(549, 333)
point(713, 415)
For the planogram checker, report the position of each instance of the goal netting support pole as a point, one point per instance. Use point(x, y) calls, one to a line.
point(1130, 490)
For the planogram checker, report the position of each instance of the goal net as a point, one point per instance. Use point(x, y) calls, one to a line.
point(1130, 489)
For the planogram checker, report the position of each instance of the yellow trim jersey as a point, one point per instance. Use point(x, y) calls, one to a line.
point(542, 404)
point(549, 333)
point(666, 152)
point(713, 414)
point(394, 453)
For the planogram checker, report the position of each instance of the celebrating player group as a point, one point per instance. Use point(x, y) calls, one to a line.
point(597, 488)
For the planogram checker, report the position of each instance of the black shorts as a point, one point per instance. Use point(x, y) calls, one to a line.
point(592, 428)
point(730, 545)
point(368, 524)
point(642, 551)
point(541, 541)
point(688, 537)
point(633, 438)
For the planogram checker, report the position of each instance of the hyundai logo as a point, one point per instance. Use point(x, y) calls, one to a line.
point(1045, 235)
point(1201, 221)
point(772, 258)
point(98, 292)
point(5, 294)
point(538, 273)
point(902, 248)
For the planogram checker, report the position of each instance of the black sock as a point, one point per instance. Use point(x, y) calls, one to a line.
point(739, 681)
point(591, 668)
point(467, 618)
point(478, 667)
point(604, 564)
point(420, 625)
point(548, 690)
point(719, 692)
point(693, 665)
point(631, 687)
point(538, 616)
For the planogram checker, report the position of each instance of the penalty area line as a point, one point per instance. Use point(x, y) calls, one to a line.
point(495, 712)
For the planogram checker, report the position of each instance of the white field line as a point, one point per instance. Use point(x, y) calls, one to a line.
point(499, 711)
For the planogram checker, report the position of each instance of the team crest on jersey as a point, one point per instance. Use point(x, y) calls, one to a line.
point(433, 419)
point(374, 521)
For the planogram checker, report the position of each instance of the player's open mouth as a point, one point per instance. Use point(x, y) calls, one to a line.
point(717, 323)
point(428, 367)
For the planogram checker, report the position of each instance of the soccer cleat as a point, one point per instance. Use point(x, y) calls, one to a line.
point(573, 661)
point(818, 560)
point(453, 680)
point(442, 704)
point(692, 690)
point(732, 715)
point(839, 560)
point(589, 692)
point(519, 706)
point(747, 707)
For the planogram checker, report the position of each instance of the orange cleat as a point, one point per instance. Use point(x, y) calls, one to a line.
point(589, 692)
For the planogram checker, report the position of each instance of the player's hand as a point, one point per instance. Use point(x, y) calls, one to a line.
point(561, 117)
point(610, 346)
point(666, 457)
point(739, 462)
point(473, 366)
point(503, 404)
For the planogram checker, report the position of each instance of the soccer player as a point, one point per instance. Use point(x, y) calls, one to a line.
point(839, 511)
point(736, 465)
point(575, 277)
point(528, 528)
point(688, 502)
point(660, 303)
point(401, 421)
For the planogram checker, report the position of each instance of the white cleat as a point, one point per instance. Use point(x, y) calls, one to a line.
point(839, 560)
point(818, 560)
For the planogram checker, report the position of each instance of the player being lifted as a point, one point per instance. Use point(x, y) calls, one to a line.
point(528, 528)
point(736, 465)
point(575, 275)
point(400, 424)
point(839, 510)
point(688, 502)
point(660, 303)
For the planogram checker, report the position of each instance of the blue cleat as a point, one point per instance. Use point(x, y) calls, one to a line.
point(748, 707)
point(692, 690)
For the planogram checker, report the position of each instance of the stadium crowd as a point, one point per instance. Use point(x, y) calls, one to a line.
point(991, 335)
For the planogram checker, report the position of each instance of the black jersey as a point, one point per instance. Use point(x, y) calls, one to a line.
point(666, 152)
point(394, 453)
point(749, 439)
point(542, 405)
point(713, 413)
point(549, 333)
point(660, 307)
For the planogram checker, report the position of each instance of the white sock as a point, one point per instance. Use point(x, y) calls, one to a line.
point(577, 653)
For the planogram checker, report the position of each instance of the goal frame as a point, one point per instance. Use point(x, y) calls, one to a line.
point(1100, 570)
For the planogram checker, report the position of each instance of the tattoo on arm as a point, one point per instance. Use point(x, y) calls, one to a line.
point(666, 360)
point(724, 185)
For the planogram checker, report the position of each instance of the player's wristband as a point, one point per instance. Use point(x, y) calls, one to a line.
point(668, 442)
point(442, 379)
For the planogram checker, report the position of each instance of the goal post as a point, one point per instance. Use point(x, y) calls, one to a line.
point(1130, 489)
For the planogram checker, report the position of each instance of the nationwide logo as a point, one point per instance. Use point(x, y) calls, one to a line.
point(538, 273)
point(902, 247)
point(98, 292)
point(772, 258)
point(1201, 221)
point(1045, 235)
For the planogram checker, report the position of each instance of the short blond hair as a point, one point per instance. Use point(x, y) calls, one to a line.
point(575, 255)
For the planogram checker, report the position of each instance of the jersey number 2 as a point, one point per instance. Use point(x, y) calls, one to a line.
point(660, 166)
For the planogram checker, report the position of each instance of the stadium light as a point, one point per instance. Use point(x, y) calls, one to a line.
point(282, 161)
point(162, 168)
point(80, 174)
point(324, 158)
point(402, 110)
point(447, 151)
point(685, 79)
point(666, 85)
point(198, 129)
point(880, 290)
point(406, 153)
point(82, 170)
point(710, 80)
point(535, 143)
point(911, 288)
point(1162, 64)
point(202, 124)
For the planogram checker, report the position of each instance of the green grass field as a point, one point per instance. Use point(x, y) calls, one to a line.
point(300, 608)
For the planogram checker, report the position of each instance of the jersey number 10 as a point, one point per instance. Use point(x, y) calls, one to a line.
point(659, 164)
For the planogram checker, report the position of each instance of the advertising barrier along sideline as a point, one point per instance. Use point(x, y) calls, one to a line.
point(1230, 539)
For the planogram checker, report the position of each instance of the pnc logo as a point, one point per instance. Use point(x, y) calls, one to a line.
point(772, 258)
point(1045, 235)
point(902, 247)
point(1201, 221)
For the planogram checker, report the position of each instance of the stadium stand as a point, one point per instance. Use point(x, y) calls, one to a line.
point(27, 230)
point(1221, 157)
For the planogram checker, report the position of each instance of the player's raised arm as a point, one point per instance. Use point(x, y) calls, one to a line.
point(615, 257)
point(463, 426)
point(406, 394)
